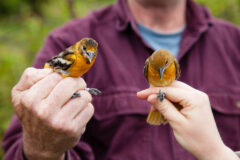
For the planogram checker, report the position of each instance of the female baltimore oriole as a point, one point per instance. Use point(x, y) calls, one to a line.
point(160, 70)
point(75, 61)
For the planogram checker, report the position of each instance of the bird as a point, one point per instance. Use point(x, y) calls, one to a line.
point(75, 61)
point(160, 70)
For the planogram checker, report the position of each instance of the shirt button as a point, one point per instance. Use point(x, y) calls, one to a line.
point(238, 104)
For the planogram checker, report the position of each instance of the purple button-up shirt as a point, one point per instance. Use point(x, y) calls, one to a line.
point(209, 58)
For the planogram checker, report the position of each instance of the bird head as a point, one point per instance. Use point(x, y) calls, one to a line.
point(88, 47)
point(160, 60)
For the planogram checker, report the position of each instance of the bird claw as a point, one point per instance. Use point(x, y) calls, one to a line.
point(75, 95)
point(161, 95)
point(93, 91)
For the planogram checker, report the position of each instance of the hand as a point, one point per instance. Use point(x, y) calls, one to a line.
point(193, 126)
point(52, 122)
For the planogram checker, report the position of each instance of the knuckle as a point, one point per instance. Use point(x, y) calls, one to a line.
point(42, 114)
point(76, 130)
point(29, 72)
point(163, 109)
point(14, 97)
point(90, 110)
point(205, 96)
point(27, 101)
point(57, 124)
point(83, 129)
point(202, 95)
point(82, 83)
point(86, 96)
point(13, 92)
point(51, 102)
point(71, 82)
point(72, 129)
point(55, 77)
point(66, 127)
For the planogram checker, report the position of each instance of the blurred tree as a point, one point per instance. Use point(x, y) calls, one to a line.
point(71, 8)
point(226, 9)
point(9, 7)
point(17, 7)
point(36, 6)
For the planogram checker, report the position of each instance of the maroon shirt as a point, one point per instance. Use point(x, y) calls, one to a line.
point(209, 58)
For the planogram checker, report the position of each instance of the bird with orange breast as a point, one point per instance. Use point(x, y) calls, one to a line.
point(75, 61)
point(160, 70)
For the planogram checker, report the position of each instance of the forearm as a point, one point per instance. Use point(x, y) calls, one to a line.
point(221, 153)
point(13, 145)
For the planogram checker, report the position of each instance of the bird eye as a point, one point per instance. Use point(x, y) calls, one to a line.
point(84, 48)
point(166, 63)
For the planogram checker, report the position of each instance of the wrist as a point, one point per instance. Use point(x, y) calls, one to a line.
point(42, 155)
point(33, 150)
point(220, 153)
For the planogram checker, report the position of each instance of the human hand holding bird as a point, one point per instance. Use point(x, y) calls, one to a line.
point(160, 70)
point(64, 115)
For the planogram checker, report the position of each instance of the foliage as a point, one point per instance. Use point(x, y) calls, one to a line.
point(226, 9)
point(12, 7)
point(25, 23)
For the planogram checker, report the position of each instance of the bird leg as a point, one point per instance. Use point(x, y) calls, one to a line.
point(93, 91)
point(161, 95)
point(75, 95)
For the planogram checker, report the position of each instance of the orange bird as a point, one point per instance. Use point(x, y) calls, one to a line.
point(75, 61)
point(160, 70)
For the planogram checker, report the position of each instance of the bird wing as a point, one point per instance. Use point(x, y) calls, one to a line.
point(63, 60)
point(146, 69)
point(178, 71)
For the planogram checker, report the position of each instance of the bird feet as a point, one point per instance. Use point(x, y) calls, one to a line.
point(75, 95)
point(161, 95)
point(93, 91)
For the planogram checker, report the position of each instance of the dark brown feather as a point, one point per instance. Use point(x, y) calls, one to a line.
point(57, 63)
point(178, 71)
point(146, 69)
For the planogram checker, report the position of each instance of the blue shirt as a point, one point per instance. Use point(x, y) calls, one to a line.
point(157, 40)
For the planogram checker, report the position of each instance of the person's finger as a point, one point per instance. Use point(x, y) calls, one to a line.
point(64, 90)
point(147, 92)
point(44, 87)
point(76, 105)
point(179, 84)
point(166, 108)
point(85, 115)
point(176, 84)
point(176, 95)
point(30, 77)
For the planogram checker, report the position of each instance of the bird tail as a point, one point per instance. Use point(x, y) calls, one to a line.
point(155, 118)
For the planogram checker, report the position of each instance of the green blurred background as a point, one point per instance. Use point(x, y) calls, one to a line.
point(25, 23)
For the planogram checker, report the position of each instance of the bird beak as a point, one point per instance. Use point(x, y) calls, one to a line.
point(90, 56)
point(161, 71)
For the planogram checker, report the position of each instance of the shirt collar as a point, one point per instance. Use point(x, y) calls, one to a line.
point(125, 16)
point(197, 17)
